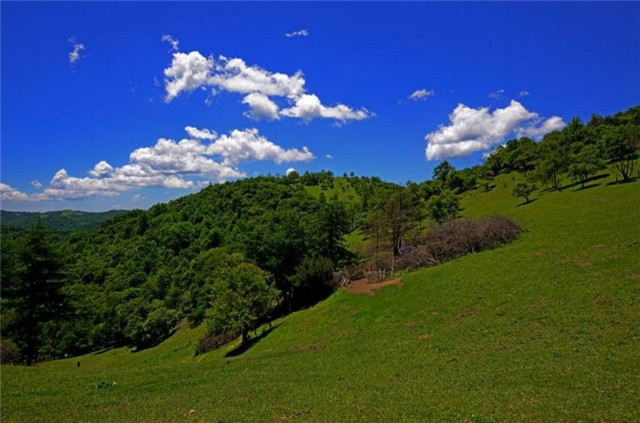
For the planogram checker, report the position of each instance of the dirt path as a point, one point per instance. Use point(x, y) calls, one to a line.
point(362, 286)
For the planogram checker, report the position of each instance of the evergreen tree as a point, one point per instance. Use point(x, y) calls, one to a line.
point(35, 296)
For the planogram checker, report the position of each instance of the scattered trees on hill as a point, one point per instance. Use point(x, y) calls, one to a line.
point(524, 190)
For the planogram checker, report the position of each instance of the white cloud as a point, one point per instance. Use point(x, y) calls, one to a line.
point(308, 106)
point(261, 107)
point(473, 130)
point(101, 168)
point(137, 197)
point(328, 156)
point(188, 164)
point(74, 54)
point(497, 95)
point(523, 93)
point(188, 72)
point(7, 193)
point(36, 184)
point(200, 134)
point(235, 76)
point(300, 33)
point(289, 171)
point(175, 44)
point(421, 94)
point(247, 145)
point(540, 127)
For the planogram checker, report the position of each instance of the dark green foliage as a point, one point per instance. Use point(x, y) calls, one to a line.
point(443, 206)
point(312, 281)
point(241, 297)
point(31, 288)
point(64, 221)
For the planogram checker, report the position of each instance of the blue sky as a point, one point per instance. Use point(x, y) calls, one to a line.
point(555, 60)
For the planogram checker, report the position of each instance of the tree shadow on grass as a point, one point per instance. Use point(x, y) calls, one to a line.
point(628, 181)
point(526, 203)
point(581, 188)
point(243, 347)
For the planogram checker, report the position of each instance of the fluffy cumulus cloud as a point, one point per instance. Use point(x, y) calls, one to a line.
point(189, 163)
point(308, 107)
point(248, 145)
point(479, 129)
point(422, 94)
point(8, 193)
point(189, 71)
point(101, 168)
point(186, 73)
point(36, 184)
point(74, 54)
point(289, 171)
point(261, 107)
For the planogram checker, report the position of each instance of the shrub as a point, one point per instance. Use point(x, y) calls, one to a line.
point(458, 237)
point(9, 352)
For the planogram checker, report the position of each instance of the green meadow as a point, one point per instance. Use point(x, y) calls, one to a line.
point(546, 328)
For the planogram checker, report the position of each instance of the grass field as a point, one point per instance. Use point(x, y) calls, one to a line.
point(341, 188)
point(544, 329)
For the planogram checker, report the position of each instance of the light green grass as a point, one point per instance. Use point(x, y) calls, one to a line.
point(544, 329)
point(341, 187)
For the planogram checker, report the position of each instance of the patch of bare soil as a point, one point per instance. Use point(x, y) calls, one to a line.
point(290, 416)
point(312, 347)
point(362, 286)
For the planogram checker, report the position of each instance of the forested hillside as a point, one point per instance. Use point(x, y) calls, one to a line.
point(276, 240)
point(63, 221)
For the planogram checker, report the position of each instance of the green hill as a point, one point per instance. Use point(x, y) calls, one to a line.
point(63, 221)
point(544, 329)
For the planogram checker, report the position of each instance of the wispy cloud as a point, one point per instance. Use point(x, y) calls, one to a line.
point(173, 42)
point(523, 93)
point(497, 95)
point(300, 33)
point(422, 94)
point(74, 54)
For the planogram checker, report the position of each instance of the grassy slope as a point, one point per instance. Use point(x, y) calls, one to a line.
point(341, 187)
point(544, 329)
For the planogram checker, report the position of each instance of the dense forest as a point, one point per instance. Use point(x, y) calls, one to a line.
point(59, 221)
point(237, 253)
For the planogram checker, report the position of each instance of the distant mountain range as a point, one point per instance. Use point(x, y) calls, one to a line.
point(63, 220)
